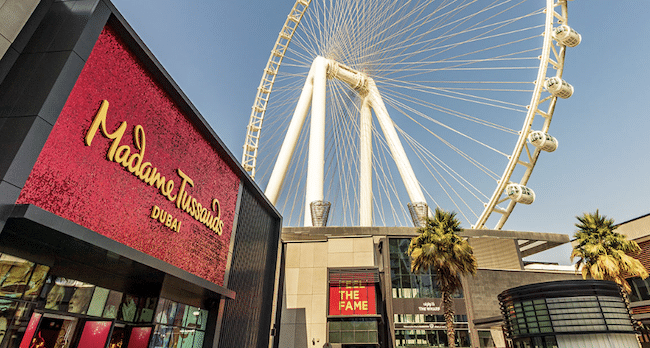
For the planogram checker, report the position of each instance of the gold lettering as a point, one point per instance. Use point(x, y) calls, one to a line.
point(193, 212)
point(216, 224)
point(163, 216)
point(167, 192)
point(216, 207)
point(122, 155)
point(132, 160)
point(186, 200)
point(181, 190)
point(100, 120)
point(156, 179)
point(219, 227)
point(139, 140)
point(144, 174)
point(212, 221)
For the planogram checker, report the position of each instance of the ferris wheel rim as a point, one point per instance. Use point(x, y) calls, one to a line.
point(285, 36)
point(532, 111)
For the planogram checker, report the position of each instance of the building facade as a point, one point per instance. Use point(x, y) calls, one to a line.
point(352, 287)
point(638, 230)
point(568, 314)
point(124, 220)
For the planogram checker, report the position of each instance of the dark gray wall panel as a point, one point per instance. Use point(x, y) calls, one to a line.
point(247, 319)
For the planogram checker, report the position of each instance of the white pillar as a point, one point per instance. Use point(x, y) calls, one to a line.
point(365, 164)
point(395, 145)
point(316, 161)
point(290, 140)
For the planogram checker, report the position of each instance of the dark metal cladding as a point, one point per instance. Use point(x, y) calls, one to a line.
point(565, 308)
point(247, 318)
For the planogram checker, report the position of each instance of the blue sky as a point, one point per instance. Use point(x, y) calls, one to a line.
point(216, 50)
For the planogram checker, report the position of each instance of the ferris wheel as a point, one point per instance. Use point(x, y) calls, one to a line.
point(462, 92)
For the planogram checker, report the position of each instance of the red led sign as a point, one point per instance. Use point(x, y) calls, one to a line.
point(124, 161)
point(352, 299)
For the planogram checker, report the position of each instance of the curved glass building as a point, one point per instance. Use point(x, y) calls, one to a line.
point(572, 313)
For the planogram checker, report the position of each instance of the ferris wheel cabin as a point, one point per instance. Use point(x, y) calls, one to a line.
point(566, 36)
point(543, 141)
point(558, 87)
point(520, 193)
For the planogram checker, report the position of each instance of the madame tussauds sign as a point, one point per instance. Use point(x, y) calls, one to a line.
point(145, 171)
point(133, 161)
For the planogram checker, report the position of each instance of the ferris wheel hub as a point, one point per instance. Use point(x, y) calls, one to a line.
point(356, 79)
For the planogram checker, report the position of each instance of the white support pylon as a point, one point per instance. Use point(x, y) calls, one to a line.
point(290, 140)
point(365, 164)
point(395, 145)
point(316, 160)
point(314, 94)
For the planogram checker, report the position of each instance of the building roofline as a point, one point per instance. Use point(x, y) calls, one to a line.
point(633, 219)
point(529, 243)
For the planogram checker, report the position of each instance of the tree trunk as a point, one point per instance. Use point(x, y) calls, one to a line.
point(448, 308)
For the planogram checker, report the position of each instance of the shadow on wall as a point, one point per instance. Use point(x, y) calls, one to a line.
point(293, 328)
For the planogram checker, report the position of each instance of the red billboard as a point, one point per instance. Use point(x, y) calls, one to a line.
point(352, 299)
point(124, 160)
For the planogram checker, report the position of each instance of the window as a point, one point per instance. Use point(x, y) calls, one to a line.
point(536, 342)
point(485, 339)
point(21, 282)
point(178, 325)
point(427, 318)
point(640, 289)
point(406, 284)
point(568, 314)
point(353, 330)
point(429, 338)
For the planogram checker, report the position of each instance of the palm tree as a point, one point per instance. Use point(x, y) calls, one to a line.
point(603, 253)
point(439, 247)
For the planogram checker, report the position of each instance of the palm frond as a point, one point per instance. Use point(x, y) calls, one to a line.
point(603, 253)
